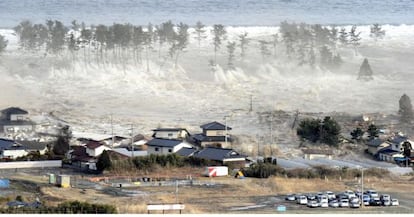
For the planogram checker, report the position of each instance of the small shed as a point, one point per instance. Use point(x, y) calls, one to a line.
point(311, 154)
point(52, 178)
point(63, 181)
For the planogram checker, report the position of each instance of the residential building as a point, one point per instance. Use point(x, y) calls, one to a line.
point(186, 152)
point(15, 120)
point(222, 156)
point(94, 149)
point(166, 146)
point(171, 133)
point(9, 149)
point(214, 135)
point(374, 145)
point(389, 155)
point(311, 154)
point(396, 142)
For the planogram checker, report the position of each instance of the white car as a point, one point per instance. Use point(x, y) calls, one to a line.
point(324, 204)
point(386, 202)
point(302, 200)
point(354, 200)
point(322, 198)
point(334, 204)
point(372, 193)
point(394, 202)
point(349, 194)
point(330, 195)
point(344, 203)
point(290, 197)
point(354, 205)
point(313, 203)
point(385, 197)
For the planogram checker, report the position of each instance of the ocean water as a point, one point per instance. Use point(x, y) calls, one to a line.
point(227, 12)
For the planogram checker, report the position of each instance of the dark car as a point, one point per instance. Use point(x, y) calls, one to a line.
point(375, 202)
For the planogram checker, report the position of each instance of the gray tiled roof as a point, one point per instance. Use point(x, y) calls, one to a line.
point(164, 142)
point(375, 142)
point(218, 154)
point(7, 144)
point(186, 152)
point(169, 129)
point(33, 145)
point(14, 110)
point(203, 138)
point(398, 139)
point(215, 126)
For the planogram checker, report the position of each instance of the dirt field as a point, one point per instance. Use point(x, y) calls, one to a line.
point(222, 195)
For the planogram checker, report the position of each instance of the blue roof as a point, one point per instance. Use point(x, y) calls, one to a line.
point(6, 144)
point(215, 126)
point(387, 151)
point(218, 154)
point(164, 142)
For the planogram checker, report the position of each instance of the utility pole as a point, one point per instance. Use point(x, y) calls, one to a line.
point(362, 187)
point(225, 128)
point(132, 140)
point(112, 133)
point(251, 103)
point(271, 133)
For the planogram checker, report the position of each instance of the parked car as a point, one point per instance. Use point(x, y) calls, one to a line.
point(375, 202)
point(385, 197)
point(324, 204)
point(344, 203)
point(372, 193)
point(313, 203)
point(349, 194)
point(334, 203)
point(330, 195)
point(354, 204)
point(386, 202)
point(290, 197)
point(354, 199)
point(322, 198)
point(302, 200)
point(311, 197)
point(366, 199)
point(394, 202)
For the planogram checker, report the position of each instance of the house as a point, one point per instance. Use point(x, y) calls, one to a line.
point(9, 149)
point(94, 149)
point(82, 138)
point(80, 158)
point(311, 154)
point(171, 133)
point(222, 156)
point(374, 145)
point(15, 120)
point(34, 146)
point(166, 146)
point(129, 153)
point(396, 142)
point(388, 154)
point(214, 134)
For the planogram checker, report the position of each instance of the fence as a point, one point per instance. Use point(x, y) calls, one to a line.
point(30, 164)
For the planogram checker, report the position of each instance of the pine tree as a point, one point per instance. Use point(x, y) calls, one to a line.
point(406, 109)
point(372, 131)
point(200, 32)
point(231, 47)
point(3, 44)
point(343, 37)
point(219, 33)
point(357, 134)
point(244, 41)
point(365, 71)
point(377, 32)
point(354, 38)
point(104, 161)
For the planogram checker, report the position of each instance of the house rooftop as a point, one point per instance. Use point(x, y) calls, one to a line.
point(398, 139)
point(14, 110)
point(375, 142)
point(214, 126)
point(186, 152)
point(33, 145)
point(93, 145)
point(169, 129)
point(317, 151)
point(218, 154)
point(95, 136)
point(164, 142)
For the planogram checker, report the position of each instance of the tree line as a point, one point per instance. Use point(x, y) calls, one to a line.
point(126, 43)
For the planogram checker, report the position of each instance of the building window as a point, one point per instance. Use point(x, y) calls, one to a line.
point(10, 129)
point(157, 149)
point(170, 134)
point(170, 150)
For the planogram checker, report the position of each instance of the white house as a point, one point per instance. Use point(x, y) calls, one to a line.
point(15, 120)
point(396, 143)
point(94, 149)
point(166, 146)
point(11, 150)
point(311, 154)
point(374, 145)
point(214, 134)
point(171, 133)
